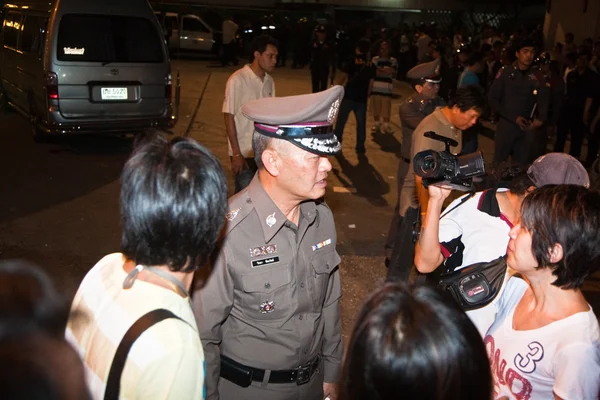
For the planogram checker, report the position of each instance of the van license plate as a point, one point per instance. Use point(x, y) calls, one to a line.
point(114, 93)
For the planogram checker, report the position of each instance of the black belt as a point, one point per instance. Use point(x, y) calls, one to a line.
point(300, 375)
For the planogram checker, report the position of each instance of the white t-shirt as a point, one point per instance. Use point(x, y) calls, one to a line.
point(475, 232)
point(561, 358)
point(165, 362)
point(243, 86)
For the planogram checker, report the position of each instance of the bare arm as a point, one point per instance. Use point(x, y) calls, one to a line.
point(231, 132)
point(341, 78)
point(428, 255)
point(238, 161)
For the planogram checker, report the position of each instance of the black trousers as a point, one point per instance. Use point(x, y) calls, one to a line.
point(403, 254)
point(245, 176)
point(319, 76)
point(570, 120)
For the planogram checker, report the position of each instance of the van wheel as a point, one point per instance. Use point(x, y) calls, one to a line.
point(38, 135)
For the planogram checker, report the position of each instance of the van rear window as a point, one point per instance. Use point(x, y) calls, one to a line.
point(108, 38)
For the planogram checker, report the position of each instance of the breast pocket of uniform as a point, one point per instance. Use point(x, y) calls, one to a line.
point(267, 294)
point(323, 263)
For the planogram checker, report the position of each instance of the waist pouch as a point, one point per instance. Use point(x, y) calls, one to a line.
point(476, 285)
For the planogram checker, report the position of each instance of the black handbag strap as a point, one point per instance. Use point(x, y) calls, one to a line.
point(113, 384)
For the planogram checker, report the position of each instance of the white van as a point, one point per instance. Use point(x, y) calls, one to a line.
point(74, 66)
point(187, 32)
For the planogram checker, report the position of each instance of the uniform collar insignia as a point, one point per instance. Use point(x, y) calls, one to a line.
point(232, 214)
point(271, 220)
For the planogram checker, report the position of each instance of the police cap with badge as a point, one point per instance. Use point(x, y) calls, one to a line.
point(305, 120)
point(426, 72)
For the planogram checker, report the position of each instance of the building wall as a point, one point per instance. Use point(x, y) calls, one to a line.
point(566, 16)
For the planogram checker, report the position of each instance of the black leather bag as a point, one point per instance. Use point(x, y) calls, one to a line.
point(477, 285)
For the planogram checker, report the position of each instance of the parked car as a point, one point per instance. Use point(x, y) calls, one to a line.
point(75, 66)
point(187, 32)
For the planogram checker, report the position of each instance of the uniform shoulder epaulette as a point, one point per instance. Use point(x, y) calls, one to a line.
point(239, 208)
point(324, 212)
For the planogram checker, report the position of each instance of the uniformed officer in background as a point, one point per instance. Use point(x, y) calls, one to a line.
point(269, 315)
point(426, 81)
point(322, 59)
point(521, 99)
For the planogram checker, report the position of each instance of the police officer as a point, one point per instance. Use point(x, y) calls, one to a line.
point(521, 99)
point(426, 80)
point(269, 314)
point(322, 59)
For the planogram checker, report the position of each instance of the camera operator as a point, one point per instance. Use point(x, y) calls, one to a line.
point(461, 113)
point(477, 230)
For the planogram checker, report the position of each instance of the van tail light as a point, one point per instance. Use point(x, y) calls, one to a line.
point(52, 85)
point(168, 87)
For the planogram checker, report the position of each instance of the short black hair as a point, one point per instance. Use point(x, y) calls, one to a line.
point(173, 202)
point(514, 177)
point(474, 58)
point(416, 341)
point(568, 215)
point(260, 44)
point(467, 98)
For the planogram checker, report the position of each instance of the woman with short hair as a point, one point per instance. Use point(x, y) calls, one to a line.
point(545, 342)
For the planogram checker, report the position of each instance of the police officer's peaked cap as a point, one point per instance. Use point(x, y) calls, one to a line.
point(305, 120)
point(426, 72)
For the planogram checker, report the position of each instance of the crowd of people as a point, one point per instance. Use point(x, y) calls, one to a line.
point(240, 299)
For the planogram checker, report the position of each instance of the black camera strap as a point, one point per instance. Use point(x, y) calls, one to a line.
point(113, 383)
point(462, 201)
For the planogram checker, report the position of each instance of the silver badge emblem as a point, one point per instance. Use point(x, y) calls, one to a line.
point(271, 220)
point(232, 214)
point(333, 111)
point(267, 306)
point(263, 250)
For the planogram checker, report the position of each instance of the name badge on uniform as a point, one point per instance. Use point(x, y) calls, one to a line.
point(265, 261)
point(321, 245)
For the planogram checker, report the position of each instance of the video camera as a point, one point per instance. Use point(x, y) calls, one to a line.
point(442, 168)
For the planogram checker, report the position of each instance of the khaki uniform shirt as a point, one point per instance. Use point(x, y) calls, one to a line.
point(272, 300)
point(437, 123)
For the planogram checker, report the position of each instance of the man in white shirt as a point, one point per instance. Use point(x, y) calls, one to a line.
point(248, 83)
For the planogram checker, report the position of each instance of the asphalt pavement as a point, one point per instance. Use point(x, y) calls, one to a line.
point(59, 201)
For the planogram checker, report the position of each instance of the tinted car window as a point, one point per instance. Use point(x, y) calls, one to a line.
point(108, 38)
point(12, 25)
point(33, 35)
